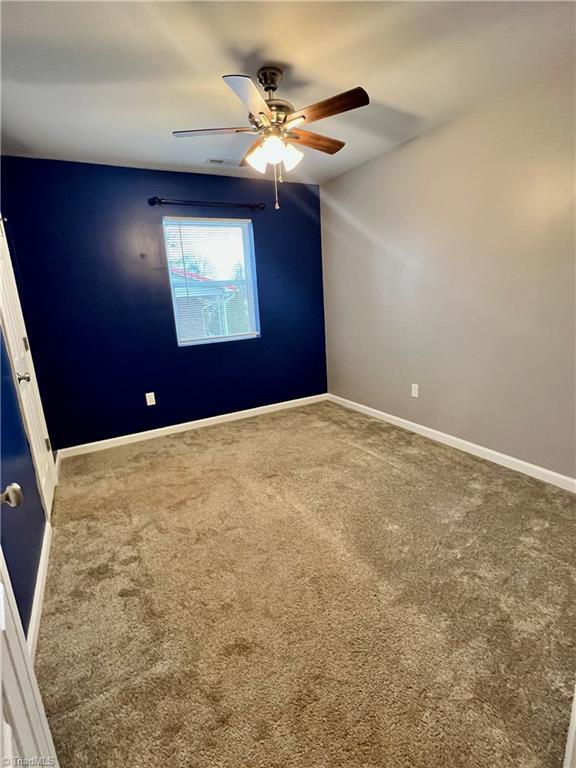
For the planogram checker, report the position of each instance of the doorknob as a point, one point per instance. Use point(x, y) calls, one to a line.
point(22, 376)
point(12, 495)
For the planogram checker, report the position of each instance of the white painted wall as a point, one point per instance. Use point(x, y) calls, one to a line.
point(449, 262)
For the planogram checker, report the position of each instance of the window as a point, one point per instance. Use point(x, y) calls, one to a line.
point(212, 278)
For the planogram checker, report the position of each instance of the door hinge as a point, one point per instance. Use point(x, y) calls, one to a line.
point(26, 343)
point(47, 441)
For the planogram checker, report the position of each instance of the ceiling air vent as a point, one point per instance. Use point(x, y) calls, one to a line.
point(219, 161)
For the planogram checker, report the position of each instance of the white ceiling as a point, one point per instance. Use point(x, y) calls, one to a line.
point(108, 81)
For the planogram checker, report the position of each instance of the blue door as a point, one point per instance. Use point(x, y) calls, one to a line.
point(21, 528)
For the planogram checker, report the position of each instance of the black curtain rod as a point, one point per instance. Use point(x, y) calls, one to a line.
point(202, 204)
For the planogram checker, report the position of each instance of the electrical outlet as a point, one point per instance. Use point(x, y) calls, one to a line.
point(415, 390)
point(150, 398)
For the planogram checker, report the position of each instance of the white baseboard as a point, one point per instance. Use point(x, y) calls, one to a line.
point(34, 625)
point(57, 464)
point(540, 473)
point(136, 437)
point(570, 754)
point(519, 465)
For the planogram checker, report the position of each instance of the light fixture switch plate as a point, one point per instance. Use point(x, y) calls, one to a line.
point(150, 398)
point(415, 390)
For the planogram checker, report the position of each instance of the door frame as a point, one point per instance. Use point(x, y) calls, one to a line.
point(23, 718)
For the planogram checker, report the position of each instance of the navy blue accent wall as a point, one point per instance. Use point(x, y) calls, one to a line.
point(96, 297)
point(22, 528)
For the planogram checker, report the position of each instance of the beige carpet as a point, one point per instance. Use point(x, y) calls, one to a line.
point(307, 589)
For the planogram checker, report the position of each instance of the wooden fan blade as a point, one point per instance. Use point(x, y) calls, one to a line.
point(315, 141)
point(256, 144)
point(335, 105)
point(211, 131)
point(246, 90)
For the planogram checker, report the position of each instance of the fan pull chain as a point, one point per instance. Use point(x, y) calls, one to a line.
point(276, 204)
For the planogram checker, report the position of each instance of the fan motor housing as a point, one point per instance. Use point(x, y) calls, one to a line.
point(280, 109)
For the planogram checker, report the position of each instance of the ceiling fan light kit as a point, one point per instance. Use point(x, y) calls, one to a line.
point(274, 150)
point(275, 123)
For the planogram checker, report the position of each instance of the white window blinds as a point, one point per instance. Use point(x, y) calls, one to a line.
point(212, 278)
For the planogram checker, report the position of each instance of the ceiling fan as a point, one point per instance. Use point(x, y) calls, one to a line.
point(276, 123)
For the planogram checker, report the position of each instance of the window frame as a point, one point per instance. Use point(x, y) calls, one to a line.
point(250, 279)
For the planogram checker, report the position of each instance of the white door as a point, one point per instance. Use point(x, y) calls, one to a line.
point(28, 393)
point(25, 737)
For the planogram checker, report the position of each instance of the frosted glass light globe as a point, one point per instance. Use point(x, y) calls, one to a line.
point(257, 160)
point(292, 157)
point(273, 150)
